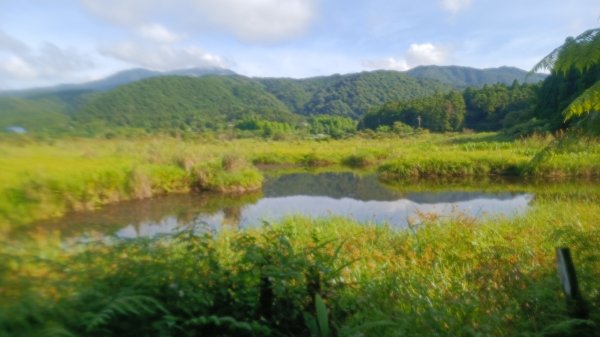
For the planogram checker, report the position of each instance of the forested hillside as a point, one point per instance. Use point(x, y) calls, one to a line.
point(46, 113)
point(196, 100)
point(211, 102)
point(349, 95)
point(33, 114)
point(184, 103)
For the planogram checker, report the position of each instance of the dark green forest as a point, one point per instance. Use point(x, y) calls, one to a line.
point(491, 108)
point(439, 113)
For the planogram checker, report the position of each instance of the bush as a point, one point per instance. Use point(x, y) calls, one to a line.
point(360, 160)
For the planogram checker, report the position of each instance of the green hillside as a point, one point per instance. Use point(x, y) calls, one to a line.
point(295, 94)
point(42, 111)
point(211, 102)
point(463, 77)
point(200, 99)
point(184, 103)
point(349, 95)
point(41, 114)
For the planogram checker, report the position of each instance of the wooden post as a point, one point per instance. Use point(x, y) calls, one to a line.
point(576, 305)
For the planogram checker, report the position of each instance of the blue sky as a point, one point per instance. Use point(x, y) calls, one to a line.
point(44, 42)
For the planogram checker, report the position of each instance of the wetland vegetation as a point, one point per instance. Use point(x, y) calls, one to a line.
point(442, 275)
point(46, 180)
point(222, 139)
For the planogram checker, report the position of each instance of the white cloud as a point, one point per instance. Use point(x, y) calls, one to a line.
point(52, 60)
point(17, 68)
point(455, 6)
point(158, 33)
point(426, 53)
point(389, 63)
point(248, 20)
point(20, 62)
point(163, 57)
point(416, 55)
point(293, 62)
point(260, 20)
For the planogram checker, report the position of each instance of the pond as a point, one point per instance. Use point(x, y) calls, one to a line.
point(360, 197)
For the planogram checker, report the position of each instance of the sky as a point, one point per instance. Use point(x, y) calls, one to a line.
point(47, 42)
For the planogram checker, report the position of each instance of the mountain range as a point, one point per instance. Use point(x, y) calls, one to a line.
point(206, 98)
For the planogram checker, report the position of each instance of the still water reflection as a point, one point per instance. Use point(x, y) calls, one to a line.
point(362, 198)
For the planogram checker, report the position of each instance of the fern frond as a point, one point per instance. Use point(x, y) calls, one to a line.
point(547, 63)
point(228, 323)
point(125, 304)
point(580, 52)
point(588, 101)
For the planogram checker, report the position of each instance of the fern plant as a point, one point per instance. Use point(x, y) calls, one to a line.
point(126, 303)
point(581, 53)
point(226, 325)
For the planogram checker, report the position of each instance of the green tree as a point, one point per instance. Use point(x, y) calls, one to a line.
point(334, 126)
point(439, 113)
point(498, 106)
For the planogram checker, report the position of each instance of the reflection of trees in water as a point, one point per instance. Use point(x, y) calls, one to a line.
point(186, 209)
point(369, 188)
point(232, 217)
point(455, 189)
point(186, 216)
point(333, 185)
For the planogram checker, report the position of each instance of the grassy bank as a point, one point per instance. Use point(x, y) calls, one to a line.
point(41, 181)
point(46, 180)
point(441, 278)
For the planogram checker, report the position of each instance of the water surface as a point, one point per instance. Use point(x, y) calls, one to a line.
point(360, 197)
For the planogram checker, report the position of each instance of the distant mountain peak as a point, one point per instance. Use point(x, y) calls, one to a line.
point(120, 78)
point(198, 72)
point(462, 77)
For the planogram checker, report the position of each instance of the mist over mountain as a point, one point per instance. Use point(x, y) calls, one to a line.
point(115, 80)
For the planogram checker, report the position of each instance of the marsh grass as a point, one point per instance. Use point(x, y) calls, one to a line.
point(570, 156)
point(232, 174)
point(364, 159)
